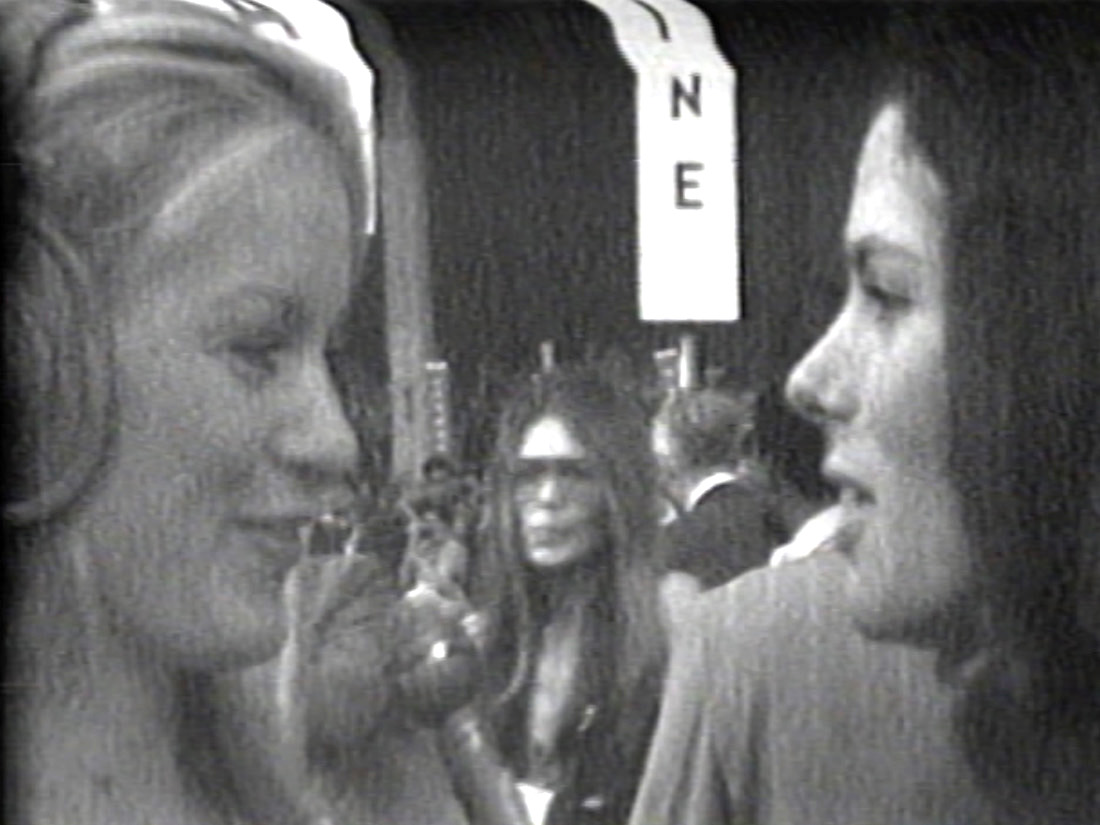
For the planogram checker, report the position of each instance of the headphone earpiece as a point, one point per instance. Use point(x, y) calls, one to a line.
point(59, 357)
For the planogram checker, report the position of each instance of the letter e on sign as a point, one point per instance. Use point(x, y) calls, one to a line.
point(683, 182)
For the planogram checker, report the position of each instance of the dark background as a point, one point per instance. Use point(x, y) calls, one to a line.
point(527, 122)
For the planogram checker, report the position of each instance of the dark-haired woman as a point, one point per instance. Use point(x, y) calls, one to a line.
point(959, 392)
point(568, 572)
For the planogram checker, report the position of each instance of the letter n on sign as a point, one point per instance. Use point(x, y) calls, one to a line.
point(688, 223)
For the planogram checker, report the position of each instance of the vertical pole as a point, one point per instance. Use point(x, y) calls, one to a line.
point(688, 367)
point(546, 357)
point(403, 197)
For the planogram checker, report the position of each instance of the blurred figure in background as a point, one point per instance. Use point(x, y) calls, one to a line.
point(728, 522)
point(567, 571)
point(371, 695)
point(443, 508)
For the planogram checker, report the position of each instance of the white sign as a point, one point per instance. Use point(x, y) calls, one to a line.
point(688, 228)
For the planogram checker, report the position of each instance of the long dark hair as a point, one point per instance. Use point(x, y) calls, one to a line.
point(611, 423)
point(1001, 102)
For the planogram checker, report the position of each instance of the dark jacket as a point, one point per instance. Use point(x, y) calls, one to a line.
point(732, 529)
point(603, 752)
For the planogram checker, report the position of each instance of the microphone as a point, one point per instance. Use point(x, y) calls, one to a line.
point(440, 675)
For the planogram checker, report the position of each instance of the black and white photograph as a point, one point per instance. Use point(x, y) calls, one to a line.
point(551, 412)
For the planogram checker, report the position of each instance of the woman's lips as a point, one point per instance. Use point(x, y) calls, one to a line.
point(279, 544)
point(548, 535)
point(855, 506)
point(854, 498)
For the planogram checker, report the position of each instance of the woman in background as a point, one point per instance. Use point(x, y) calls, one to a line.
point(959, 392)
point(568, 573)
point(194, 213)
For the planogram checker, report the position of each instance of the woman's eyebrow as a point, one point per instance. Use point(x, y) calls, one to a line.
point(879, 249)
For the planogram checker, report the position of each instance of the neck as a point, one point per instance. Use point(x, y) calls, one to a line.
point(101, 725)
point(564, 592)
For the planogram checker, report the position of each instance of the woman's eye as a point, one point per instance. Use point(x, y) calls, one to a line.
point(885, 300)
point(258, 356)
point(577, 472)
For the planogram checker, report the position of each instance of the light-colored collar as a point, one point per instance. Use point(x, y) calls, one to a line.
point(707, 484)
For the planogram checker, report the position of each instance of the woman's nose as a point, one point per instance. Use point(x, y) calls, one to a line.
point(548, 488)
point(317, 440)
point(821, 386)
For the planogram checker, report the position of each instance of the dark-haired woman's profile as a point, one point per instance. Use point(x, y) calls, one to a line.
point(568, 571)
point(959, 391)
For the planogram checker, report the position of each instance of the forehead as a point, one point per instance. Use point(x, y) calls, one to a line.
point(550, 437)
point(267, 209)
point(897, 199)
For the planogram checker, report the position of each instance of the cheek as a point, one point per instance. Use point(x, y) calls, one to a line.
point(188, 444)
point(168, 564)
point(907, 405)
point(592, 502)
point(913, 567)
point(915, 562)
point(186, 454)
point(164, 509)
point(920, 527)
point(592, 516)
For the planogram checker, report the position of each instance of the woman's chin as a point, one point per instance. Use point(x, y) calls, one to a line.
point(269, 628)
point(241, 652)
point(250, 633)
point(917, 621)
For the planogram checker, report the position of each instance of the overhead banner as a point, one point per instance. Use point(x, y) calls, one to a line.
point(686, 141)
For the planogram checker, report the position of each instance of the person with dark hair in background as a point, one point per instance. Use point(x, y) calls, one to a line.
point(942, 663)
point(727, 522)
point(567, 573)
